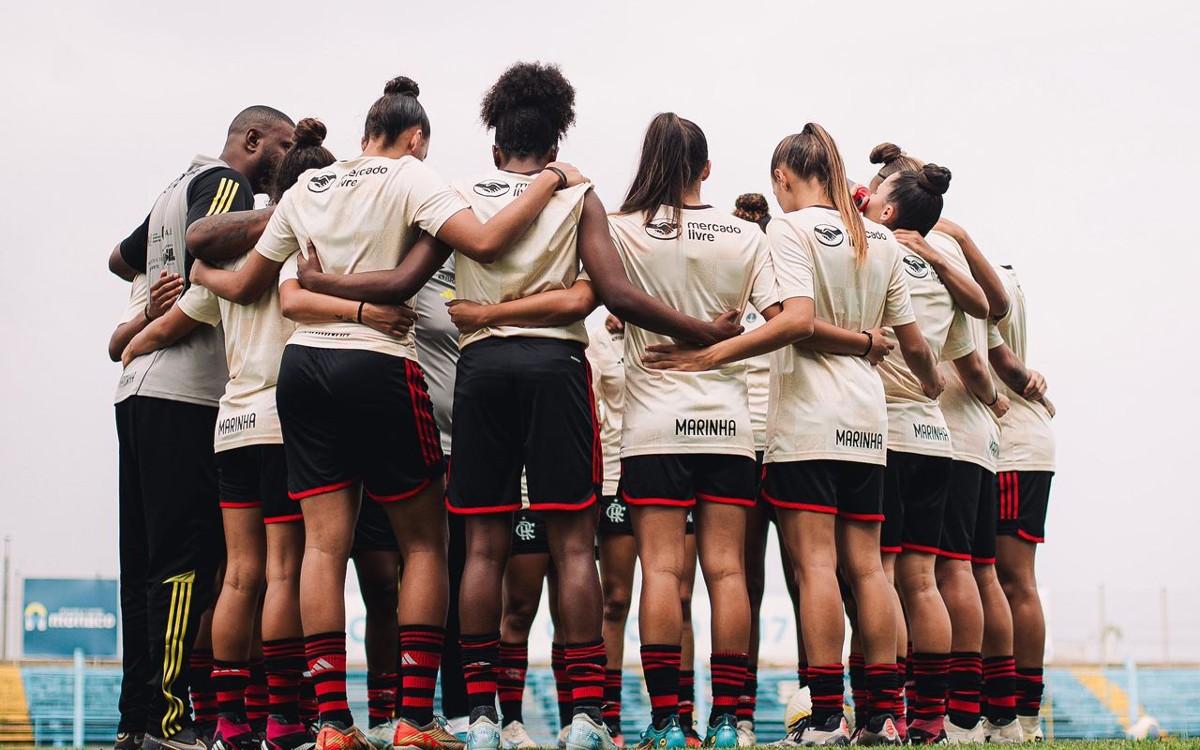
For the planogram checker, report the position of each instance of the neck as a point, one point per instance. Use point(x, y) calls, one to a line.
point(811, 193)
point(691, 196)
point(524, 164)
point(237, 159)
point(391, 152)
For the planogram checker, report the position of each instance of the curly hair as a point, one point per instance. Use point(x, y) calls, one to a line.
point(753, 207)
point(531, 106)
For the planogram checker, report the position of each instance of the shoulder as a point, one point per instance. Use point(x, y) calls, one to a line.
point(219, 178)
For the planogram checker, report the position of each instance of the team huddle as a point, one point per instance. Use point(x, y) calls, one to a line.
point(297, 377)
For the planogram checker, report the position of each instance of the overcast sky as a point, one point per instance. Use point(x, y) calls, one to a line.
point(1070, 129)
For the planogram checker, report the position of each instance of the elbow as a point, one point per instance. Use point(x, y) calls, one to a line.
point(804, 328)
point(198, 242)
point(998, 305)
point(621, 304)
point(978, 308)
point(114, 352)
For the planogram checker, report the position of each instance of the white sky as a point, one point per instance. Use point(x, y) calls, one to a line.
point(1070, 128)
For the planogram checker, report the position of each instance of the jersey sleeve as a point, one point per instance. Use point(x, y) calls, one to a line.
point(139, 297)
point(290, 270)
point(792, 258)
point(200, 304)
point(994, 339)
point(218, 191)
point(133, 247)
point(897, 308)
point(278, 241)
point(959, 341)
point(764, 290)
point(431, 200)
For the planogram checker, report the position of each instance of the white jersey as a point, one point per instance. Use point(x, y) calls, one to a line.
point(363, 215)
point(974, 433)
point(1026, 436)
point(758, 383)
point(437, 345)
point(606, 355)
point(915, 422)
point(827, 406)
point(543, 259)
point(704, 265)
point(139, 297)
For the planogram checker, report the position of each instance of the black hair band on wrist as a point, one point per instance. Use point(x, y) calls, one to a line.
point(870, 344)
point(146, 312)
point(562, 177)
point(360, 309)
point(995, 398)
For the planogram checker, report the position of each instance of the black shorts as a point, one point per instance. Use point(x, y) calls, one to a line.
point(350, 415)
point(969, 523)
point(850, 489)
point(255, 476)
point(529, 534)
point(914, 502)
point(680, 479)
point(373, 531)
point(1024, 500)
point(524, 403)
point(614, 516)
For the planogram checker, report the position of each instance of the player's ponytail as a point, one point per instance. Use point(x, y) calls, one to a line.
point(396, 111)
point(674, 154)
point(892, 159)
point(307, 152)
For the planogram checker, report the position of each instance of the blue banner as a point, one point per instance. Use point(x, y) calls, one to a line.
point(63, 614)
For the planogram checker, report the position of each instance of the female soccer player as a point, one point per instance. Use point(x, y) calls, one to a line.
point(827, 421)
point(686, 436)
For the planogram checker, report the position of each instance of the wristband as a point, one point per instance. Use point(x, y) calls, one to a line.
point(360, 309)
point(870, 344)
point(562, 177)
point(995, 399)
point(146, 312)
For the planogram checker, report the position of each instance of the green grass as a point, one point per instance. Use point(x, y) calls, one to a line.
point(1167, 744)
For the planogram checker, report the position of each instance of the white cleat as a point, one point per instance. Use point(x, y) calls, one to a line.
point(514, 736)
point(562, 737)
point(380, 736)
point(835, 732)
point(746, 734)
point(1009, 733)
point(956, 735)
point(1031, 728)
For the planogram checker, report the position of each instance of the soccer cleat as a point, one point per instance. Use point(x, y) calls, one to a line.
point(287, 735)
point(484, 733)
point(1008, 733)
point(669, 736)
point(380, 735)
point(562, 737)
point(334, 736)
point(514, 735)
point(432, 736)
point(835, 731)
point(234, 735)
point(880, 729)
point(185, 739)
point(793, 736)
point(129, 741)
point(799, 707)
point(723, 734)
point(1031, 728)
point(588, 734)
point(746, 734)
point(956, 735)
point(618, 739)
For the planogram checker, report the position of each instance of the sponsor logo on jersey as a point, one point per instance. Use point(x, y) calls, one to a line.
point(751, 317)
point(491, 188)
point(706, 427)
point(933, 432)
point(365, 171)
point(994, 449)
point(873, 234)
point(615, 513)
point(872, 441)
point(708, 231)
point(319, 183)
point(663, 229)
point(525, 530)
point(829, 235)
point(237, 423)
point(916, 266)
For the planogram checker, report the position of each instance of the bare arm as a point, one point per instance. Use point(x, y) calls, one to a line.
point(833, 339)
point(392, 286)
point(786, 324)
point(967, 294)
point(227, 236)
point(981, 270)
point(975, 376)
point(919, 359)
point(1031, 384)
point(302, 306)
point(629, 303)
point(163, 294)
point(118, 266)
point(160, 334)
point(243, 286)
point(558, 307)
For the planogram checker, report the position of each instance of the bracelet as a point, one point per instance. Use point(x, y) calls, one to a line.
point(562, 177)
point(995, 399)
point(870, 344)
point(146, 312)
point(360, 309)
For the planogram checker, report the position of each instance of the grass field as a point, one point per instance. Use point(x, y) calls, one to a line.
point(1170, 743)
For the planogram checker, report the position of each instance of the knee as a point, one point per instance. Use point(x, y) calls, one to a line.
point(380, 600)
point(519, 619)
point(245, 576)
point(616, 604)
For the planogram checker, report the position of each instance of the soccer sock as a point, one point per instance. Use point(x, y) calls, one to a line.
point(229, 680)
point(257, 700)
point(284, 661)
point(585, 669)
point(931, 675)
point(802, 673)
point(514, 663)
point(204, 700)
point(381, 697)
point(903, 670)
point(827, 688)
point(420, 659)
point(1000, 687)
point(480, 653)
point(882, 680)
point(660, 667)
point(966, 674)
point(309, 712)
point(1029, 691)
point(748, 700)
point(326, 654)
point(687, 697)
point(728, 672)
point(613, 683)
point(858, 687)
point(558, 664)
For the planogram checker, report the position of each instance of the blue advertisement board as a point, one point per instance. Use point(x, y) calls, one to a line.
point(63, 614)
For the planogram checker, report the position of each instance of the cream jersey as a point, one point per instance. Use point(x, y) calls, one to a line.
point(974, 434)
point(702, 265)
point(255, 336)
point(606, 355)
point(1026, 436)
point(915, 423)
point(827, 406)
point(758, 383)
point(363, 215)
point(543, 259)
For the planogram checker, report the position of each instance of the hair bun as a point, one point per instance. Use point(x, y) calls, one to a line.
point(934, 179)
point(886, 152)
point(402, 86)
point(310, 132)
point(751, 202)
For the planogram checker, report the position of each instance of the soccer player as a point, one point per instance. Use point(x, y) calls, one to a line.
point(166, 414)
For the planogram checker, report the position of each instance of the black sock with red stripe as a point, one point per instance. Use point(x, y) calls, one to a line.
point(284, 662)
point(882, 680)
point(903, 673)
point(558, 664)
point(748, 700)
point(1029, 691)
point(802, 674)
point(229, 680)
point(381, 697)
point(827, 685)
point(660, 667)
point(1000, 688)
point(931, 675)
point(728, 678)
point(480, 654)
point(204, 698)
point(966, 674)
point(585, 669)
point(612, 700)
point(514, 663)
point(258, 702)
point(326, 654)
point(307, 705)
point(687, 697)
point(858, 687)
point(420, 660)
